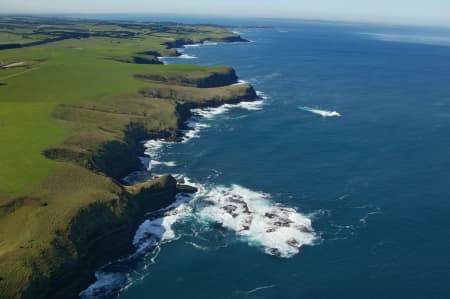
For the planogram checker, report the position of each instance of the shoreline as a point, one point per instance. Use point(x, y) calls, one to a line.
point(186, 113)
point(100, 230)
point(144, 245)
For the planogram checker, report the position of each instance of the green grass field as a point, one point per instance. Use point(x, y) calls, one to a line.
point(64, 72)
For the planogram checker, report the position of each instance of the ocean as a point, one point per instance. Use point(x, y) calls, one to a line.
point(335, 185)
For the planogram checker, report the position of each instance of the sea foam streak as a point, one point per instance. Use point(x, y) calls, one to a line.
point(323, 113)
point(279, 230)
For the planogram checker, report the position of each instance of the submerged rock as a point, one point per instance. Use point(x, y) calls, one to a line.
point(186, 189)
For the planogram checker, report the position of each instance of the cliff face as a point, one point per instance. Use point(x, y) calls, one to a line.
point(179, 43)
point(226, 76)
point(99, 233)
point(117, 158)
point(244, 92)
point(218, 79)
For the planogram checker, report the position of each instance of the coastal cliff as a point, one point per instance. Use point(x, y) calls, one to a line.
point(181, 42)
point(65, 209)
point(98, 233)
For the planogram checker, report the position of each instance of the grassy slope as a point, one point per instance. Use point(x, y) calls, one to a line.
point(67, 76)
point(73, 99)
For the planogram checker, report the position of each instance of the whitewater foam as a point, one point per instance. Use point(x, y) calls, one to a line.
point(153, 147)
point(209, 113)
point(182, 55)
point(187, 56)
point(107, 285)
point(240, 82)
point(168, 163)
point(162, 59)
point(192, 45)
point(251, 215)
point(195, 125)
point(158, 228)
point(323, 113)
point(205, 43)
point(262, 95)
point(279, 230)
point(208, 43)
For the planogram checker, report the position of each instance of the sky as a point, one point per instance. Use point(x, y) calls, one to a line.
point(419, 12)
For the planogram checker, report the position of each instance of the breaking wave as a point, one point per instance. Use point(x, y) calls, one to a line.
point(187, 56)
point(262, 95)
point(205, 43)
point(158, 227)
point(251, 215)
point(194, 126)
point(209, 113)
point(323, 113)
point(182, 56)
point(168, 163)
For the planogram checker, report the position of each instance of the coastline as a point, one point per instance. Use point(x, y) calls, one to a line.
point(273, 227)
point(101, 231)
point(185, 113)
point(151, 232)
point(133, 254)
point(99, 251)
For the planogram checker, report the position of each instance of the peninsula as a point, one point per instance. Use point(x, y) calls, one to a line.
point(77, 98)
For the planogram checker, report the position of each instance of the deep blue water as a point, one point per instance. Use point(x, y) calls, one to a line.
point(375, 182)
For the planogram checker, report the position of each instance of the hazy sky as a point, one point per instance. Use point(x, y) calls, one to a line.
point(433, 12)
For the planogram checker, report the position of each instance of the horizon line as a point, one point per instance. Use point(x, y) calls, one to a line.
point(278, 18)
